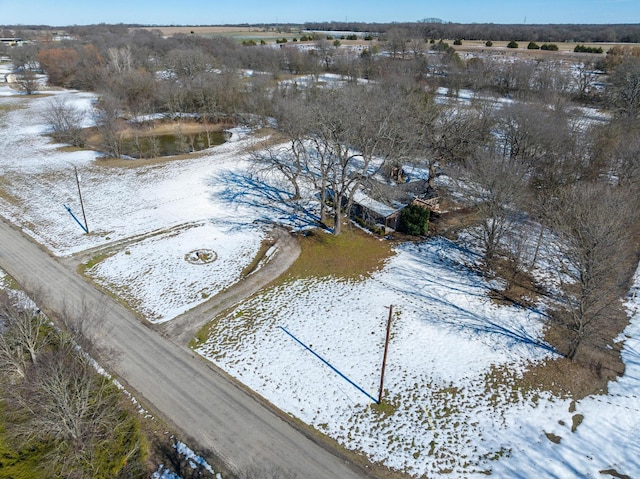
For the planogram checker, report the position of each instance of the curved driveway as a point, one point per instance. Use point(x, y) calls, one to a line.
point(197, 398)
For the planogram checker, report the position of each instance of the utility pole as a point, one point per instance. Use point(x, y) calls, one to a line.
point(86, 226)
point(384, 358)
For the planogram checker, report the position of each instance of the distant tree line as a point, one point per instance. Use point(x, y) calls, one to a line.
point(624, 33)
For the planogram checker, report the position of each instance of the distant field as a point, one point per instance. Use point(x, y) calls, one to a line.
point(522, 44)
point(258, 33)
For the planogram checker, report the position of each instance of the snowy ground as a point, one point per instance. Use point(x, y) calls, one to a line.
point(448, 339)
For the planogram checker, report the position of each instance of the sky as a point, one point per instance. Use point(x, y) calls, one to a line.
point(212, 12)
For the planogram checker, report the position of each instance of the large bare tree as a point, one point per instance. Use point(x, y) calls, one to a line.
point(593, 223)
point(496, 186)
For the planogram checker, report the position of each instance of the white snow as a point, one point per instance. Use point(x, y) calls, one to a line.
point(448, 339)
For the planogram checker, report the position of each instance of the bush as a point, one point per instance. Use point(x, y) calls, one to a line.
point(533, 46)
point(585, 49)
point(457, 41)
point(552, 47)
point(414, 220)
point(440, 46)
point(281, 40)
point(489, 43)
point(512, 44)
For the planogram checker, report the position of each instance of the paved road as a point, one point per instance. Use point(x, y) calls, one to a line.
point(194, 396)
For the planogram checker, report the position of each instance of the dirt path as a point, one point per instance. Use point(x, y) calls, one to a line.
point(183, 328)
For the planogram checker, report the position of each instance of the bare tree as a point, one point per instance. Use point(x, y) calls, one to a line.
point(66, 122)
point(593, 227)
point(397, 39)
point(286, 160)
point(583, 79)
point(446, 135)
point(355, 130)
point(25, 335)
point(69, 405)
point(28, 81)
point(624, 91)
point(107, 117)
point(616, 151)
point(54, 399)
point(496, 186)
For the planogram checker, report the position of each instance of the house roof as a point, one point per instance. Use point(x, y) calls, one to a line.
point(373, 205)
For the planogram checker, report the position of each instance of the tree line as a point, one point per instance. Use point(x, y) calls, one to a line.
point(624, 33)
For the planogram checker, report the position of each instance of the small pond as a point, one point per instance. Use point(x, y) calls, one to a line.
point(169, 145)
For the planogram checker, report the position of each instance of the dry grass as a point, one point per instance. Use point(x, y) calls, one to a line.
point(351, 255)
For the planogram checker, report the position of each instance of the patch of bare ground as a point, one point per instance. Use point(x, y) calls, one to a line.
point(520, 286)
point(4, 193)
point(451, 219)
point(614, 473)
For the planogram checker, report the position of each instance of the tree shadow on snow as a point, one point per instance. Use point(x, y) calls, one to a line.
point(272, 203)
point(433, 292)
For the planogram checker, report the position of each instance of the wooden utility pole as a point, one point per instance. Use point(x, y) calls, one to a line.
point(86, 226)
point(384, 358)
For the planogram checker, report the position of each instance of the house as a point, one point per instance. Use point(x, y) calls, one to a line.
point(374, 212)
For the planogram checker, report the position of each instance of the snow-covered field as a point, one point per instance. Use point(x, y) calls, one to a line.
point(448, 340)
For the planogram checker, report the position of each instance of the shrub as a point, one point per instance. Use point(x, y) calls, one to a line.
point(489, 43)
point(585, 49)
point(368, 37)
point(414, 220)
point(550, 47)
point(281, 40)
point(457, 41)
point(249, 43)
point(512, 44)
point(440, 46)
point(533, 46)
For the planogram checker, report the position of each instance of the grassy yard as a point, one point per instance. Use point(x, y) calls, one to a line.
point(353, 254)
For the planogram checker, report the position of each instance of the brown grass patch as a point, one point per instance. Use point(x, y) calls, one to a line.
point(201, 30)
point(521, 287)
point(453, 219)
point(353, 254)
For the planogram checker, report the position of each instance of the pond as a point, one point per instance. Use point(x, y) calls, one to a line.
point(169, 145)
